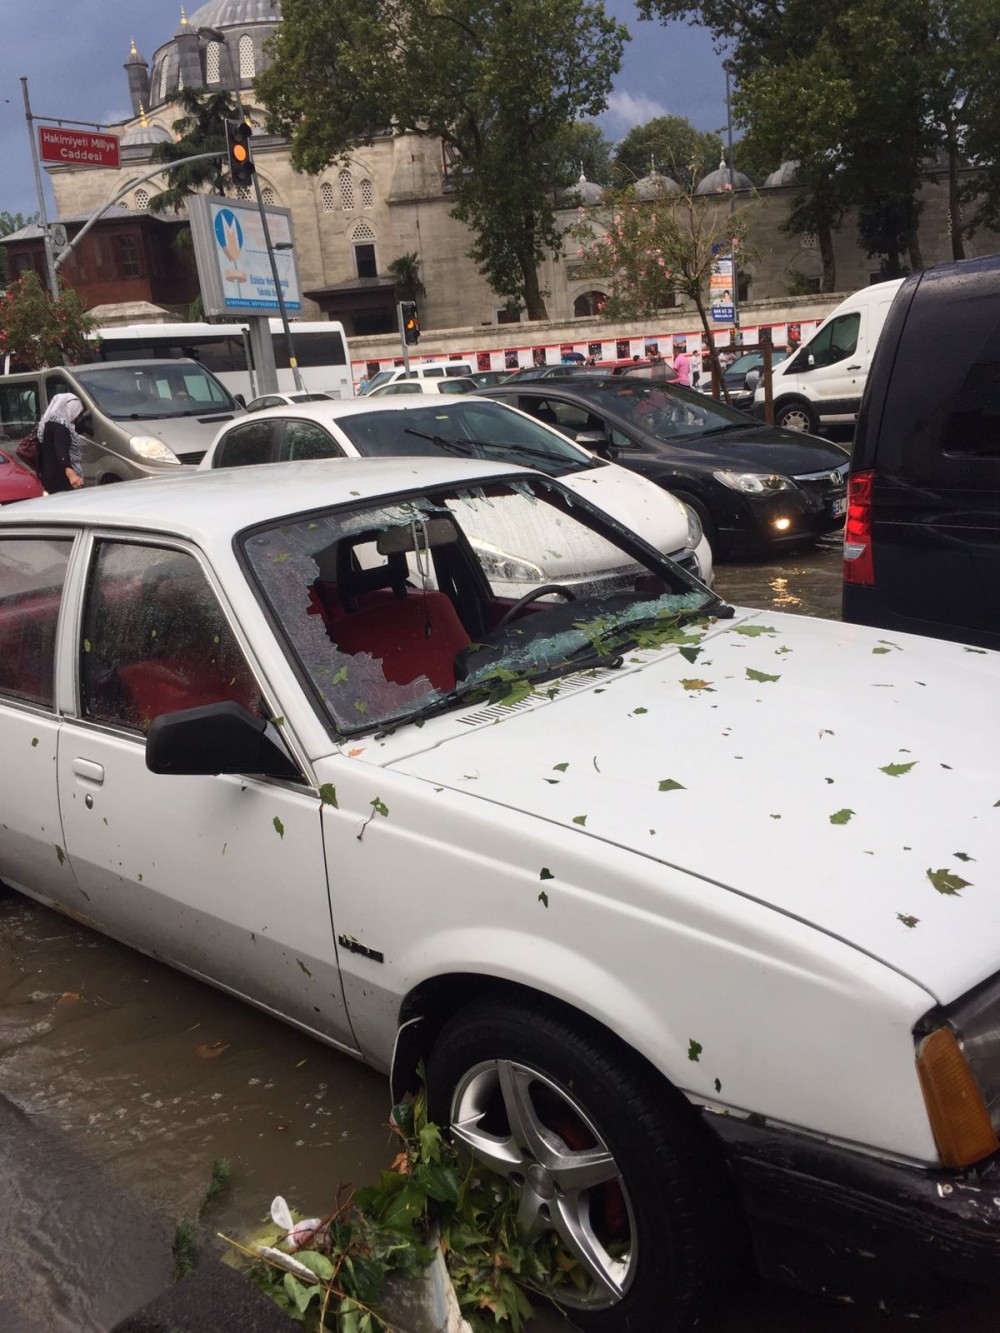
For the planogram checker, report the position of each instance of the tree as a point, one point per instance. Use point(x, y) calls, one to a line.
point(36, 331)
point(497, 80)
point(9, 223)
point(406, 271)
point(201, 129)
point(673, 146)
point(582, 147)
point(648, 251)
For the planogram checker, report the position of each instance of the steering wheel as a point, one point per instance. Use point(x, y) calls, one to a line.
point(533, 596)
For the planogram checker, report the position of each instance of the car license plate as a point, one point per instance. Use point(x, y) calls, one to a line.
point(838, 508)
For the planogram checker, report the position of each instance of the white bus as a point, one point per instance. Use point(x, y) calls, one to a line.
point(224, 349)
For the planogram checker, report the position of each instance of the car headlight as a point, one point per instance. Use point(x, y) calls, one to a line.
point(958, 1060)
point(152, 449)
point(695, 531)
point(499, 565)
point(755, 483)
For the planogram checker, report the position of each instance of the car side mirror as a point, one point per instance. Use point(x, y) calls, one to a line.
point(238, 398)
point(213, 739)
point(597, 442)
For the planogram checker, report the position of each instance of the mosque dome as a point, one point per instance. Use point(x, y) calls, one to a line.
point(718, 182)
point(655, 186)
point(144, 135)
point(235, 13)
point(583, 192)
point(783, 175)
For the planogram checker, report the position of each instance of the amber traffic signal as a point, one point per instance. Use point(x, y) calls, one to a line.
point(238, 134)
point(410, 321)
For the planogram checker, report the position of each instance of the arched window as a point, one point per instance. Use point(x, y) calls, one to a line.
point(244, 192)
point(212, 58)
point(163, 81)
point(346, 190)
point(363, 242)
point(268, 195)
point(247, 65)
point(326, 195)
point(141, 200)
point(589, 304)
point(367, 194)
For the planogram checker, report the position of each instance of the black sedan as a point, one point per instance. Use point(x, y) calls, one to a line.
point(753, 486)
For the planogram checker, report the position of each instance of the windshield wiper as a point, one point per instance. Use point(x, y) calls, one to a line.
point(449, 446)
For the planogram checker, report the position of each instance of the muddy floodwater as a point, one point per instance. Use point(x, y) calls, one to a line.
point(121, 1081)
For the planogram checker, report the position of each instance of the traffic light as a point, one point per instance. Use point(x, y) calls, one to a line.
point(238, 134)
point(410, 321)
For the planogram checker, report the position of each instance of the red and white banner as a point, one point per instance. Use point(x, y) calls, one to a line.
point(77, 148)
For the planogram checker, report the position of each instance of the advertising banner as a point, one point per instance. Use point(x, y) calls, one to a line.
point(231, 255)
point(720, 291)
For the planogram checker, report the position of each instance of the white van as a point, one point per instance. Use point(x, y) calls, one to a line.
point(825, 379)
point(428, 370)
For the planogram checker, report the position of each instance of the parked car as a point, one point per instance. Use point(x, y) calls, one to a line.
point(485, 379)
point(140, 418)
point(754, 487)
point(823, 382)
point(283, 399)
point(660, 370)
point(452, 384)
point(642, 894)
point(17, 482)
point(425, 370)
point(922, 540)
point(411, 426)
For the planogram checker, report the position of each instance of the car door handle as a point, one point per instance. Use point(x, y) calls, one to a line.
point(86, 768)
point(854, 367)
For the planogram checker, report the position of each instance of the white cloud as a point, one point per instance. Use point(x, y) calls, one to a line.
point(630, 109)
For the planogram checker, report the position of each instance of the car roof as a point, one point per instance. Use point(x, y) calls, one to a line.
point(209, 507)
point(334, 408)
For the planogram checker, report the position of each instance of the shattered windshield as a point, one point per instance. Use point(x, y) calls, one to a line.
point(477, 429)
point(402, 607)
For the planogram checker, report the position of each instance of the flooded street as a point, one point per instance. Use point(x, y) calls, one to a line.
point(121, 1081)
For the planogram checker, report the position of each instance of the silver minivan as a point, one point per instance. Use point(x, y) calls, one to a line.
point(140, 418)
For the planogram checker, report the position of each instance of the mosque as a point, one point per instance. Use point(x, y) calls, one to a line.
point(390, 199)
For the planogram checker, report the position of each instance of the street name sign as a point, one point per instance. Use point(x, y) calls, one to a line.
point(77, 148)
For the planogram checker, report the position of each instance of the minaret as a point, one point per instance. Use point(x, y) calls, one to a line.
point(138, 80)
point(188, 55)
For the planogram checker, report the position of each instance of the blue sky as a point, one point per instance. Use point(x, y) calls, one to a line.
point(73, 53)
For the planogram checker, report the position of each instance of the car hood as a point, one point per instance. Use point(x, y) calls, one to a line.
point(184, 435)
point(758, 449)
point(841, 776)
point(636, 502)
point(16, 482)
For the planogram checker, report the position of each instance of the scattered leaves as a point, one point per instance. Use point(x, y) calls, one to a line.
point(705, 685)
point(842, 816)
point(695, 1049)
point(279, 827)
point(560, 768)
point(908, 921)
point(963, 856)
point(668, 784)
point(580, 819)
point(760, 676)
point(543, 898)
point(640, 710)
point(754, 631)
point(328, 795)
point(546, 873)
point(896, 770)
point(34, 741)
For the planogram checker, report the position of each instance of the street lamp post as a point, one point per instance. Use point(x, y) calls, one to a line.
point(217, 35)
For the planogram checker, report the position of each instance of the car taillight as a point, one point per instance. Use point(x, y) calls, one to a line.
point(859, 565)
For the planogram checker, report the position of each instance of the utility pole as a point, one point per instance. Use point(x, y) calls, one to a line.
point(50, 266)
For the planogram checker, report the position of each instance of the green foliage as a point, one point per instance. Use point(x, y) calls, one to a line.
point(36, 331)
point(406, 272)
point(201, 129)
point(673, 146)
point(499, 81)
point(185, 1249)
point(581, 147)
point(430, 1198)
point(9, 223)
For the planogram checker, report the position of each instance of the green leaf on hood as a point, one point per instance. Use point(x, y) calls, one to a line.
point(894, 770)
point(752, 631)
point(580, 819)
point(328, 795)
point(841, 817)
point(640, 710)
point(543, 898)
point(881, 650)
point(761, 676)
point(698, 685)
point(947, 882)
point(963, 856)
point(908, 921)
point(546, 873)
point(668, 784)
point(689, 654)
point(279, 827)
point(694, 1049)
point(560, 768)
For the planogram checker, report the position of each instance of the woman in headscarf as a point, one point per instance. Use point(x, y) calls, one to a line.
point(60, 449)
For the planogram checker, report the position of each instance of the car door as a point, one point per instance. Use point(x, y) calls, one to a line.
point(250, 442)
point(834, 365)
point(223, 876)
point(33, 569)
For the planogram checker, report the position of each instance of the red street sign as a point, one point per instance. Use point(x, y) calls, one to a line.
point(77, 148)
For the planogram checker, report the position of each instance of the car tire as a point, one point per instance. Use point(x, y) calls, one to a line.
point(664, 1209)
point(708, 523)
point(796, 414)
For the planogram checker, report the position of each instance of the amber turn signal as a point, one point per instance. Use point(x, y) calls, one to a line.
point(959, 1118)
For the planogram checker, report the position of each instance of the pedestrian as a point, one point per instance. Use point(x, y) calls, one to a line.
point(682, 365)
point(60, 449)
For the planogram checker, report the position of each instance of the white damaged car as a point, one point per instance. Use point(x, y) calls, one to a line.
point(690, 912)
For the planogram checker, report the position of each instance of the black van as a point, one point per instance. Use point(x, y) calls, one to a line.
point(922, 537)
